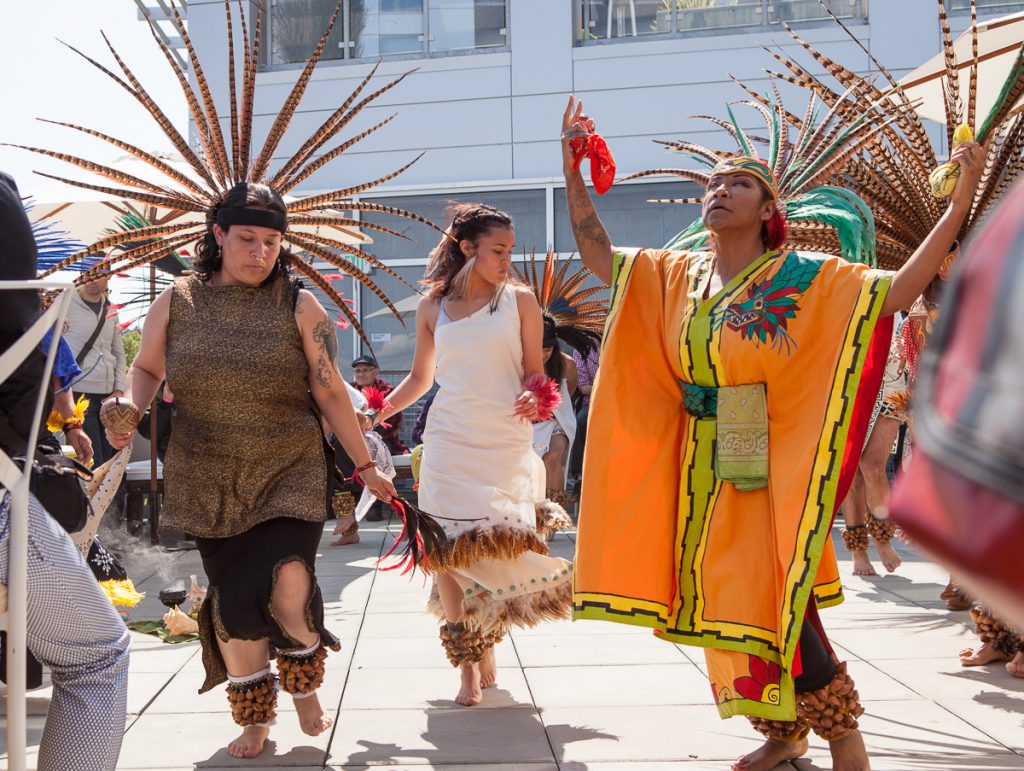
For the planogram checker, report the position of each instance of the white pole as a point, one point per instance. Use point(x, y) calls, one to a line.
point(17, 571)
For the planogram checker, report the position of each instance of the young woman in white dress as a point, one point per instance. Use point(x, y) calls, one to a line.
point(481, 336)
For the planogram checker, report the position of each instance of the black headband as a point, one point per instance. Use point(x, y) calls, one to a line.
point(263, 218)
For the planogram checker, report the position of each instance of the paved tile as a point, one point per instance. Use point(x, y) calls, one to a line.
point(559, 651)
point(583, 696)
point(438, 735)
point(399, 652)
point(944, 678)
point(618, 685)
point(1000, 716)
point(427, 688)
point(156, 740)
point(663, 733)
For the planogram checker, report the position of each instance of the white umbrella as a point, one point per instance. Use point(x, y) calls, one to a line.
point(999, 40)
point(404, 306)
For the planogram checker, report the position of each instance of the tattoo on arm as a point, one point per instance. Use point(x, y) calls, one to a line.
point(327, 343)
point(586, 225)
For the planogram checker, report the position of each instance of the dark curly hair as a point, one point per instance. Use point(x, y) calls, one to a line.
point(554, 367)
point(448, 269)
point(208, 258)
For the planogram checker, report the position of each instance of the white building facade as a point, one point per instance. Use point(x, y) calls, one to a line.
point(492, 81)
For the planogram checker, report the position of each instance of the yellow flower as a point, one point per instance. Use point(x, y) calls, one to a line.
point(122, 593)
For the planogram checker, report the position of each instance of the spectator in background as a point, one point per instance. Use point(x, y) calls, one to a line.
point(367, 375)
point(421, 421)
point(164, 420)
point(586, 372)
point(93, 333)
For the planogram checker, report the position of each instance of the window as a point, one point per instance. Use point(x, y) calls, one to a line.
point(374, 28)
point(637, 19)
point(630, 218)
point(525, 206)
point(392, 343)
point(986, 6)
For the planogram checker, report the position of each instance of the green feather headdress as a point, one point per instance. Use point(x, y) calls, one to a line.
point(821, 217)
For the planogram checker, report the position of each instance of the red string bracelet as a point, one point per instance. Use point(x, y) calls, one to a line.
point(358, 471)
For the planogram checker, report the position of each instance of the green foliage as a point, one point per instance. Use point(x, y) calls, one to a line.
point(131, 342)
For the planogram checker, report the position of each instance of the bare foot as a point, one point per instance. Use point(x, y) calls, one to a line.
point(250, 743)
point(488, 669)
point(345, 540)
point(770, 754)
point(470, 693)
point(1016, 667)
point(862, 564)
point(955, 598)
point(890, 558)
point(986, 654)
point(849, 753)
point(343, 523)
point(312, 719)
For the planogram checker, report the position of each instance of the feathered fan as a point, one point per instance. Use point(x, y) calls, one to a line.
point(421, 535)
point(52, 244)
point(217, 165)
point(821, 216)
point(891, 174)
point(578, 319)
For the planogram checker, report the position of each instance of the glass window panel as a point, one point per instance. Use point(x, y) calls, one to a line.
point(629, 218)
point(987, 6)
point(460, 25)
point(628, 18)
point(380, 27)
point(810, 10)
point(696, 15)
point(296, 27)
point(393, 344)
point(525, 206)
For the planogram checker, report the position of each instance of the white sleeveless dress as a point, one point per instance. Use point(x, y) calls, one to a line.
point(482, 479)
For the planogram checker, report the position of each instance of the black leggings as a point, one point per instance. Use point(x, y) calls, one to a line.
point(818, 667)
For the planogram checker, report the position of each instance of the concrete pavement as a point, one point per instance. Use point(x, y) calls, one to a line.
point(578, 696)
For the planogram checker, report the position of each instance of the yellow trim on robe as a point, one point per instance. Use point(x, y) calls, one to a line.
point(662, 542)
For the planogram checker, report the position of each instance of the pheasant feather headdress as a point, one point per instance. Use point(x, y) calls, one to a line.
point(892, 172)
point(578, 319)
point(220, 162)
point(821, 217)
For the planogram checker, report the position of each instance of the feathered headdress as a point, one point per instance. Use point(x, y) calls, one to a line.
point(220, 162)
point(577, 319)
point(892, 172)
point(820, 216)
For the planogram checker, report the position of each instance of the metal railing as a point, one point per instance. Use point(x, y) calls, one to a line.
point(601, 21)
point(369, 29)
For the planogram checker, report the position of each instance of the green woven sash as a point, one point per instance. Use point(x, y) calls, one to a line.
point(741, 413)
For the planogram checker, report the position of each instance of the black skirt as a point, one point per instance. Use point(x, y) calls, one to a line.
point(242, 571)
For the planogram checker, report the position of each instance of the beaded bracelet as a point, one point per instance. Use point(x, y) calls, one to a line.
point(70, 425)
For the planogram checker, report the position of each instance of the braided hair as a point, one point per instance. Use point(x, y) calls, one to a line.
point(449, 269)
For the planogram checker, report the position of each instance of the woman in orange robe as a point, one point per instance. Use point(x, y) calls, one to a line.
point(709, 495)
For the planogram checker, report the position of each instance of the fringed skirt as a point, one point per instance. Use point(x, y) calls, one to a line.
point(498, 534)
point(242, 570)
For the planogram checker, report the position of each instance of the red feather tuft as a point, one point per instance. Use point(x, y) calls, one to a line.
point(548, 395)
point(375, 399)
point(776, 231)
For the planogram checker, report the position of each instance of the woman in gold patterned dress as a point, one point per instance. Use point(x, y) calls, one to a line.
point(251, 358)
